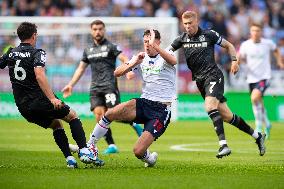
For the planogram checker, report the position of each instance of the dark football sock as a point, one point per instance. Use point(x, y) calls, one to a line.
point(78, 133)
point(62, 141)
point(241, 124)
point(218, 123)
point(108, 137)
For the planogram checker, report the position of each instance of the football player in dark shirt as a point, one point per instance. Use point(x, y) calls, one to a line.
point(35, 99)
point(104, 93)
point(198, 46)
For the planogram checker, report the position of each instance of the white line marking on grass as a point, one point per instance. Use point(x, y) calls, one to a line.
point(194, 148)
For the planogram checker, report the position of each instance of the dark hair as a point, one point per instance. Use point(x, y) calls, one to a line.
point(157, 34)
point(26, 30)
point(98, 22)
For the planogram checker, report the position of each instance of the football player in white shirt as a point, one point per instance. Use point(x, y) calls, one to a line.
point(156, 67)
point(255, 52)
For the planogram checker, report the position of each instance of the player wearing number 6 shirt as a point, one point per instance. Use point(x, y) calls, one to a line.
point(198, 46)
point(104, 93)
point(255, 52)
point(34, 97)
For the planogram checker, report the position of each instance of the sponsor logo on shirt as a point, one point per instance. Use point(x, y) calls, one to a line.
point(104, 48)
point(97, 55)
point(195, 45)
point(201, 38)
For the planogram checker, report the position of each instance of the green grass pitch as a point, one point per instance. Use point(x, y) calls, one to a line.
point(29, 158)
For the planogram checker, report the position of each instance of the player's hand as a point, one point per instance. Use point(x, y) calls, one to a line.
point(234, 67)
point(152, 38)
point(67, 91)
point(141, 56)
point(56, 103)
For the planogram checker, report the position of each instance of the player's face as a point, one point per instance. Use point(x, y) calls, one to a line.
point(148, 48)
point(190, 25)
point(255, 33)
point(98, 32)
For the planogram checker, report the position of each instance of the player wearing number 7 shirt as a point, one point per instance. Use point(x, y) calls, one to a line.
point(198, 46)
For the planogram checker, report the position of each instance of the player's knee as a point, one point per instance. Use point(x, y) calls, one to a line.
point(138, 152)
point(110, 114)
point(72, 115)
point(255, 99)
point(226, 117)
point(209, 108)
point(210, 105)
point(56, 124)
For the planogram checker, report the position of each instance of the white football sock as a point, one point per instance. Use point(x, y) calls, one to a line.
point(265, 118)
point(99, 131)
point(222, 142)
point(257, 111)
point(146, 156)
point(255, 134)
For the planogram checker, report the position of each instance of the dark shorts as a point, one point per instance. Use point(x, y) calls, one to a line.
point(107, 99)
point(154, 115)
point(261, 85)
point(212, 86)
point(41, 111)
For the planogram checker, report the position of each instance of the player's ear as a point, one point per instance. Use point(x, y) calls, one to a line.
point(158, 42)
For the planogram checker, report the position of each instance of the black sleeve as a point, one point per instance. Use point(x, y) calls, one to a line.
point(40, 58)
point(215, 37)
point(85, 57)
point(4, 57)
point(116, 50)
point(177, 43)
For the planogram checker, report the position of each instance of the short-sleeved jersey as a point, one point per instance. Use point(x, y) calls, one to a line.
point(159, 79)
point(21, 62)
point(199, 52)
point(102, 58)
point(257, 56)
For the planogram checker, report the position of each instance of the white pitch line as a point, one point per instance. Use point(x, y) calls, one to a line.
point(191, 148)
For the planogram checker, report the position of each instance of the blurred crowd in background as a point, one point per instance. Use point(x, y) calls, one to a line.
point(231, 18)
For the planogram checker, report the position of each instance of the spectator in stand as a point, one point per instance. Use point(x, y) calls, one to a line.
point(165, 10)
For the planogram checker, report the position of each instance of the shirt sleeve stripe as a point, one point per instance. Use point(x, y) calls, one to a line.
point(219, 41)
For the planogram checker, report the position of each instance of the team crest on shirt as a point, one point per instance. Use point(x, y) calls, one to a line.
point(104, 48)
point(201, 38)
point(187, 40)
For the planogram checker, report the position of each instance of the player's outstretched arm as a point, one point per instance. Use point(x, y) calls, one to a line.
point(43, 83)
point(124, 59)
point(67, 90)
point(164, 54)
point(233, 54)
point(125, 68)
point(278, 57)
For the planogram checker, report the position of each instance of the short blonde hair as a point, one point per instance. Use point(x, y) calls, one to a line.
point(189, 14)
point(257, 25)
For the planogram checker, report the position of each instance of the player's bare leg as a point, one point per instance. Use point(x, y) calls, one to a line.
point(211, 107)
point(238, 122)
point(141, 150)
point(99, 111)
